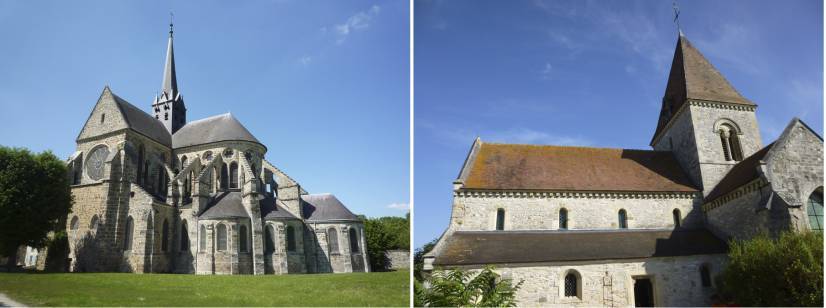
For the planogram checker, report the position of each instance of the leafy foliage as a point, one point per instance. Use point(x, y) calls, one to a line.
point(34, 197)
point(383, 234)
point(418, 259)
point(787, 271)
point(460, 288)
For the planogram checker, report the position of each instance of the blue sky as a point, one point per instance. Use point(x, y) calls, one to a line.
point(323, 84)
point(591, 73)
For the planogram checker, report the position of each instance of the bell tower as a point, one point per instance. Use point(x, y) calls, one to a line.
point(704, 121)
point(169, 107)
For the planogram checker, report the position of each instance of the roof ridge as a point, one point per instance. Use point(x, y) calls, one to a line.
point(567, 146)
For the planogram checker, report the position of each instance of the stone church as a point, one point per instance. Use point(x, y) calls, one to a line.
point(155, 192)
point(589, 226)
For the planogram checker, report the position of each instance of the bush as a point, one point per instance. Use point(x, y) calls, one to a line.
point(459, 288)
point(787, 271)
point(418, 260)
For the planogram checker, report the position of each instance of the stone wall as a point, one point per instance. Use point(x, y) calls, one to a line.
point(478, 212)
point(679, 139)
point(740, 218)
point(399, 259)
point(676, 281)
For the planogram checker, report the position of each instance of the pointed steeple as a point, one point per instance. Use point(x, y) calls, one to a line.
point(692, 77)
point(169, 107)
point(170, 82)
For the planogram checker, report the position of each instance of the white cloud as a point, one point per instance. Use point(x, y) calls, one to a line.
point(399, 206)
point(530, 136)
point(305, 60)
point(357, 22)
point(546, 71)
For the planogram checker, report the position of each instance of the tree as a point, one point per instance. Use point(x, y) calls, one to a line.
point(786, 271)
point(34, 198)
point(418, 259)
point(459, 288)
point(383, 234)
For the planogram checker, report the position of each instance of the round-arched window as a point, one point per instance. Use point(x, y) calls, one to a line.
point(815, 210)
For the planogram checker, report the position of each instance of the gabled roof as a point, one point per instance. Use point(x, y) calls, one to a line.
point(565, 168)
point(325, 207)
point(693, 77)
point(497, 247)
point(227, 204)
point(142, 122)
point(224, 127)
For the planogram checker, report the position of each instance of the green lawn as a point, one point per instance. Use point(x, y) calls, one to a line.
point(113, 289)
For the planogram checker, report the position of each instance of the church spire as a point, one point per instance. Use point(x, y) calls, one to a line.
point(169, 107)
point(170, 82)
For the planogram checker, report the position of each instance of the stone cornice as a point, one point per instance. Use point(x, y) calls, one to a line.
point(701, 103)
point(465, 193)
point(752, 186)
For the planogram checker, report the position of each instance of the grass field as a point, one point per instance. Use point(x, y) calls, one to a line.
point(113, 289)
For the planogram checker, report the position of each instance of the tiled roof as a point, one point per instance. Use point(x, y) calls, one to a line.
point(270, 210)
point(741, 174)
point(225, 204)
point(496, 247)
point(224, 127)
point(324, 207)
point(693, 77)
point(544, 167)
point(142, 122)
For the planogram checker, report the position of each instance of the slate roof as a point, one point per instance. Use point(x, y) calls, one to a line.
point(497, 247)
point(142, 122)
point(324, 207)
point(225, 204)
point(270, 210)
point(692, 76)
point(741, 174)
point(224, 127)
point(564, 168)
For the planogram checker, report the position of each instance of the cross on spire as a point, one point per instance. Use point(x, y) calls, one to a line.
point(677, 16)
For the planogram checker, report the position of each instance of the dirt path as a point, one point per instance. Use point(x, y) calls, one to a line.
point(5, 301)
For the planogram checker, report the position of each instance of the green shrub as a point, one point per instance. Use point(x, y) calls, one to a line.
point(787, 271)
point(459, 288)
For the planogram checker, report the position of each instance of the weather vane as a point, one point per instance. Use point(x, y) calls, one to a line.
point(171, 19)
point(677, 16)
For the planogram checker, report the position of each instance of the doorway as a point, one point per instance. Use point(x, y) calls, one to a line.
point(643, 292)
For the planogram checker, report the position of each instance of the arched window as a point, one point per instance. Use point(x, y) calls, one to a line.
point(563, 219)
point(815, 210)
point(290, 238)
point(141, 155)
point(332, 241)
point(623, 219)
point(224, 176)
point(676, 215)
point(188, 185)
point(354, 241)
point(202, 239)
point(222, 237)
point(161, 182)
point(127, 236)
point(184, 236)
point(165, 236)
point(242, 238)
point(269, 240)
point(572, 284)
point(730, 142)
point(74, 225)
point(183, 162)
point(233, 175)
point(93, 225)
point(500, 219)
point(705, 275)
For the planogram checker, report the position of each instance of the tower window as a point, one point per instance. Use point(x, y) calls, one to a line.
point(732, 150)
point(102, 117)
point(500, 219)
